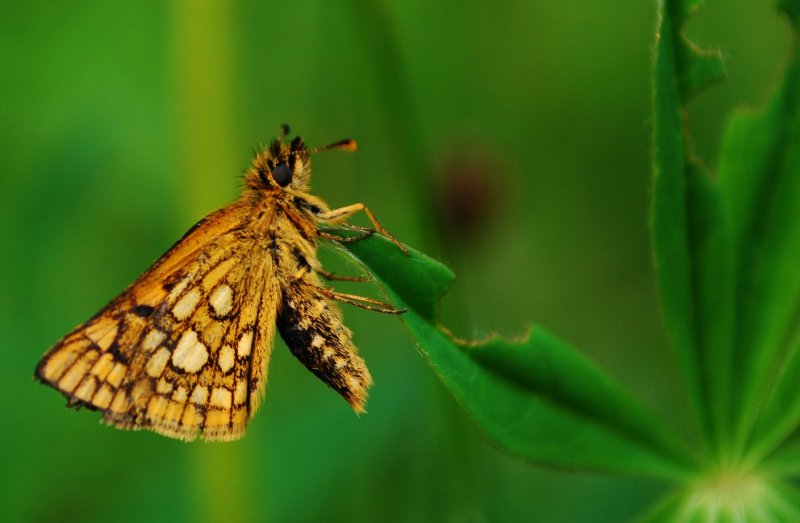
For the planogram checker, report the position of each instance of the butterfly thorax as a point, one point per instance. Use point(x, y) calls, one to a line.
point(283, 213)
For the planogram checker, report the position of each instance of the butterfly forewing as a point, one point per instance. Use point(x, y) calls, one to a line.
point(185, 349)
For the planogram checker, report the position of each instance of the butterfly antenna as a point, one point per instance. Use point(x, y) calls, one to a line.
point(345, 145)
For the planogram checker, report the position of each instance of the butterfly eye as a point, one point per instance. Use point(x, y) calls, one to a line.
point(282, 174)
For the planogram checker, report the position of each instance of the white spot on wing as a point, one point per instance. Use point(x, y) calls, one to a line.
point(180, 394)
point(190, 354)
point(153, 339)
point(226, 358)
point(157, 362)
point(317, 341)
point(221, 300)
point(200, 394)
point(220, 397)
point(240, 394)
point(186, 305)
point(245, 344)
point(179, 288)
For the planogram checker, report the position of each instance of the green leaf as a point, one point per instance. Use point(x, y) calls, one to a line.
point(537, 398)
point(760, 180)
point(691, 241)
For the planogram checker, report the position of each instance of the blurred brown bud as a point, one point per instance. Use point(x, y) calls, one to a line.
point(468, 191)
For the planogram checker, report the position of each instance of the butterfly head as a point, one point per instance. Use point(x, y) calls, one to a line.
point(286, 164)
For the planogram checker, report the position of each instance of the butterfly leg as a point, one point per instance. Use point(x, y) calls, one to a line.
point(361, 301)
point(351, 299)
point(366, 233)
point(342, 213)
point(330, 276)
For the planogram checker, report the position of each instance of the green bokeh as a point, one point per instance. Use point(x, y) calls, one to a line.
point(122, 123)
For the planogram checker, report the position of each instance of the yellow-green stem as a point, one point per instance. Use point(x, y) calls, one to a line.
point(202, 72)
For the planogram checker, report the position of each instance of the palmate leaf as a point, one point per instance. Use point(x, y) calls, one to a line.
point(537, 398)
point(727, 252)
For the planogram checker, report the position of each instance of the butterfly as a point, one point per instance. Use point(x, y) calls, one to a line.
point(184, 350)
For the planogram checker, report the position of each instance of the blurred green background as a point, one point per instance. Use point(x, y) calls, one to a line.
point(508, 139)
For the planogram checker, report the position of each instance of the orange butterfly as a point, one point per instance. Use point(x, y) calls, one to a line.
point(184, 350)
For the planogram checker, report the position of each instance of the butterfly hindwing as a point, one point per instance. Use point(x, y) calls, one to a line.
point(312, 328)
point(184, 350)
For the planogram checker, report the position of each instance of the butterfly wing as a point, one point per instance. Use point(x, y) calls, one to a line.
point(312, 328)
point(184, 350)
